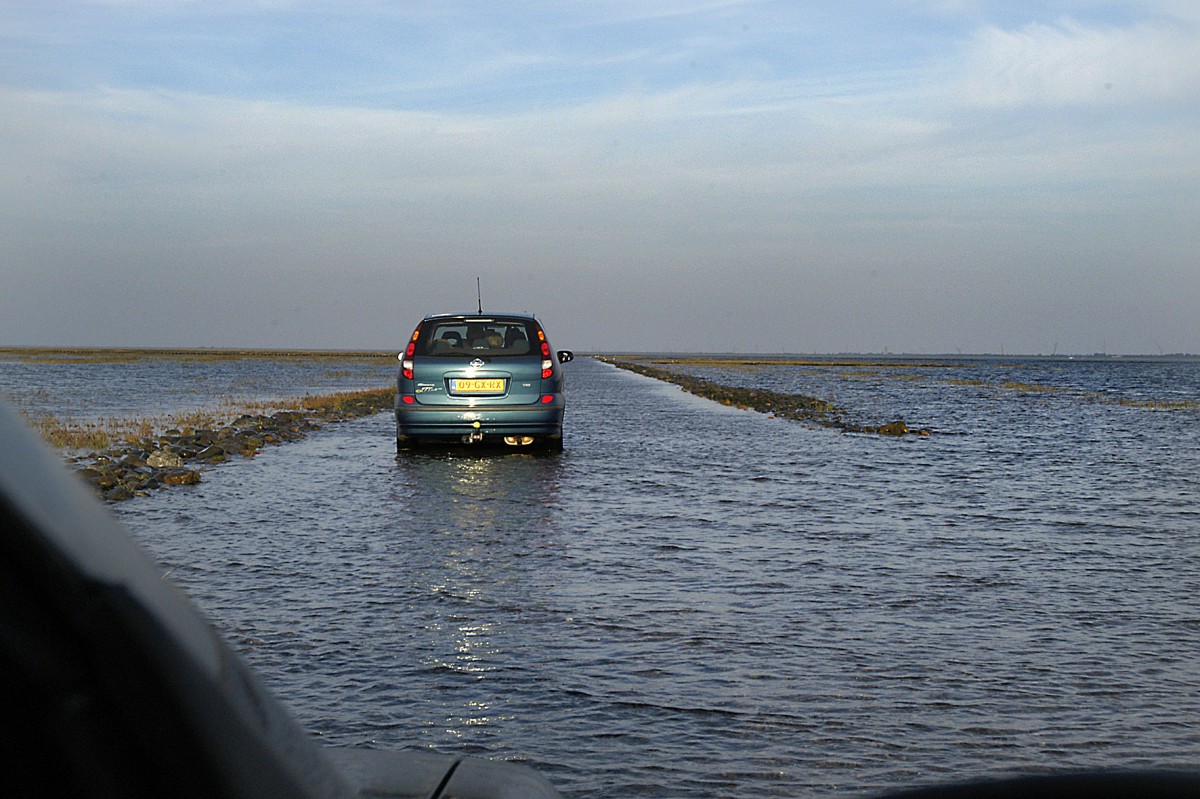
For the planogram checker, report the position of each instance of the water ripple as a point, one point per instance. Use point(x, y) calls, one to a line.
point(698, 601)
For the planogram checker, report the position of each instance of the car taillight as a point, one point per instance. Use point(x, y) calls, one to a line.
point(547, 358)
point(408, 399)
point(406, 362)
point(547, 399)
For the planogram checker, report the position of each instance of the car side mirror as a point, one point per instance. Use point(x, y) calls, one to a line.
point(565, 355)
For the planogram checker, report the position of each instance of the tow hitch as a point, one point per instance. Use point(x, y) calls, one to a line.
point(474, 437)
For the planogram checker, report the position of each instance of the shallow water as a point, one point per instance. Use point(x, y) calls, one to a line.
point(698, 601)
point(88, 389)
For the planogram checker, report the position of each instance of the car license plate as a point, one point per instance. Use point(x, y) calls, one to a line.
point(477, 386)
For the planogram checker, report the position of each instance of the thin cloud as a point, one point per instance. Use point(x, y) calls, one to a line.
point(1070, 64)
point(794, 153)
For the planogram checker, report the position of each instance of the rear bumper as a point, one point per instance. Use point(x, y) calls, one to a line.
point(497, 420)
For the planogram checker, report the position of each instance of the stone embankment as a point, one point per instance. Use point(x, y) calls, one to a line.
point(177, 457)
point(796, 407)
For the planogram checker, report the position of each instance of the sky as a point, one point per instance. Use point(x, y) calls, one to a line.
point(906, 176)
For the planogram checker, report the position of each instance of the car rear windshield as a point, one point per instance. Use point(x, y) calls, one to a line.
point(477, 336)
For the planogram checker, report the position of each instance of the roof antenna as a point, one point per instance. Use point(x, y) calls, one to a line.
point(479, 295)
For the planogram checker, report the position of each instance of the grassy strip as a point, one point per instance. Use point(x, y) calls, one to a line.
point(871, 369)
point(72, 435)
point(1084, 396)
point(796, 407)
point(143, 461)
point(349, 403)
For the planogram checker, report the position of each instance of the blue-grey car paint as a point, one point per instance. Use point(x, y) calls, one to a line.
point(529, 406)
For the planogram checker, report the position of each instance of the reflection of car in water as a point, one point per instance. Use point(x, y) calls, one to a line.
point(478, 378)
point(113, 685)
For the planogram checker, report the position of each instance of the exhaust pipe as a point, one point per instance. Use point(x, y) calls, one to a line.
point(518, 441)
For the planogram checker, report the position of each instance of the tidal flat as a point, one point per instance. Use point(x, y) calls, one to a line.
point(86, 384)
point(133, 420)
point(110, 409)
point(714, 376)
point(701, 601)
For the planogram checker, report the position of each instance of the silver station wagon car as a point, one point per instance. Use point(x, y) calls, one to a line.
point(481, 378)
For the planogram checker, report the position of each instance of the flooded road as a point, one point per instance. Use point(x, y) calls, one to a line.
point(698, 601)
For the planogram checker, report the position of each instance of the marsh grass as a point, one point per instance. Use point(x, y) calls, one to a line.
point(80, 435)
point(344, 401)
point(71, 435)
point(1084, 396)
point(1159, 405)
point(77, 435)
